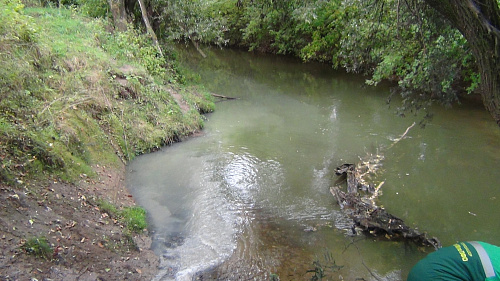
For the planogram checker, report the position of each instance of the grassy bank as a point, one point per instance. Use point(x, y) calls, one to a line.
point(73, 95)
point(77, 102)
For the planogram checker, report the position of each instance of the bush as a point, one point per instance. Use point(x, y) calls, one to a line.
point(406, 42)
point(94, 8)
point(15, 26)
point(134, 45)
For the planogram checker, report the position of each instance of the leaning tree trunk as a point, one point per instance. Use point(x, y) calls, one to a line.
point(149, 29)
point(117, 8)
point(479, 23)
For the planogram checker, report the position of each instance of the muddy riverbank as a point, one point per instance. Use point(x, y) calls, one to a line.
point(87, 243)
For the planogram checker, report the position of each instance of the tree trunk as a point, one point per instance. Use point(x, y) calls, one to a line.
point(195, 44)
point(117, 8)
point(148, 26)
point(479, 23)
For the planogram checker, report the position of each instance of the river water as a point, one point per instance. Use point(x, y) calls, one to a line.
point(249, 199)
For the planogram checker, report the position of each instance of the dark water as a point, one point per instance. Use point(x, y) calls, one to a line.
point(249, 199)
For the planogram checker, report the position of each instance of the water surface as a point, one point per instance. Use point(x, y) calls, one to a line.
point(250, 197)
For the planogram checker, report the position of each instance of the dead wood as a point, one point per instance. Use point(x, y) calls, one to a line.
point(367, 216)
point(223, 97)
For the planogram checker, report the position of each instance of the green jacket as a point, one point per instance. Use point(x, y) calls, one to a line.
point(460, 262)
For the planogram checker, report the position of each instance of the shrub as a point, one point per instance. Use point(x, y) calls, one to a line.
point(94, 8)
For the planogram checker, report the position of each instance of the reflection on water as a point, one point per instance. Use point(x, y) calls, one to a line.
point(250, 198)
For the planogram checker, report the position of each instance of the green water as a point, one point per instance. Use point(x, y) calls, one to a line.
point(239, 201)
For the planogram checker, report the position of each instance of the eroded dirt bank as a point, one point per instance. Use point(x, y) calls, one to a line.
point(88, 244)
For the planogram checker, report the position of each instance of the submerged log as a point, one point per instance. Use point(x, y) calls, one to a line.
point(369, 217)
point(223, 97)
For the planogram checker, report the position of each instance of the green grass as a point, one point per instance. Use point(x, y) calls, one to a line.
point(39, 247)
point(107, 207)
point(73, 95)
point(133, 218)
point(67, 32)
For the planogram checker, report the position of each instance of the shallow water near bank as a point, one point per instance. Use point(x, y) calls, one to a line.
point(250, 197)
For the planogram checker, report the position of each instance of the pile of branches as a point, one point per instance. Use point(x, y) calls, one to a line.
point(369, 217)
point(366, 215)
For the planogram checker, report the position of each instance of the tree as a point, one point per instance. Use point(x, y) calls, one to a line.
point(149, 29)
point(479, 23)
point(196, 21)
point(117, 8)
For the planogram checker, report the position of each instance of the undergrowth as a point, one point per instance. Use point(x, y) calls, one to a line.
point(73, 94)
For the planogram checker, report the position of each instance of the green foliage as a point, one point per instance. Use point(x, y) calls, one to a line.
point(135, 218)
point(325, 23)
point(15, 26)
point(272, 26)
point(107, 207)
point(94, 8)
point(133, 45)
point(36, 95)
point(402, 41)
point(199, 99)
point(196, 20)
point(39, 247)
point(429, 59)
point(72, 94)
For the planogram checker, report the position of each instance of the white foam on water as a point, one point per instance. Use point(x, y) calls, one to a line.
point(222, 194)
point(210, 239)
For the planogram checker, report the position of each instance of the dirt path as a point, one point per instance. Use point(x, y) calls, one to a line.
point(88, 244)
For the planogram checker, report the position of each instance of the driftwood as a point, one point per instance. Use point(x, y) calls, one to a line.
point(369, 217)
point(223, 97)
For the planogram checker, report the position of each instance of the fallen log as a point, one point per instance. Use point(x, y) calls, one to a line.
point(223, 97)
point(367, 216)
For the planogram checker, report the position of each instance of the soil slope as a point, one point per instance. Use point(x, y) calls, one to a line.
point(88, 244)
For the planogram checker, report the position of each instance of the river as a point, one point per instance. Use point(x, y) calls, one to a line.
point(249, 199)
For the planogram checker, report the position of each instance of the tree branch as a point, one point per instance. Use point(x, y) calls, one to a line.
point(148, 27)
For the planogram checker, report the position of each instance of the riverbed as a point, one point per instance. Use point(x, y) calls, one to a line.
point(249, 198)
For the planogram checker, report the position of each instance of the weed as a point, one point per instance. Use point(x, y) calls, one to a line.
point(200, 99)
point(274, 277)
point(107, 207)
point(39, 247)
point(324, 268)
point(135, 218)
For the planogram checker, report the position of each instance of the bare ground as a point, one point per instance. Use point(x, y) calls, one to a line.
point(88, 244)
